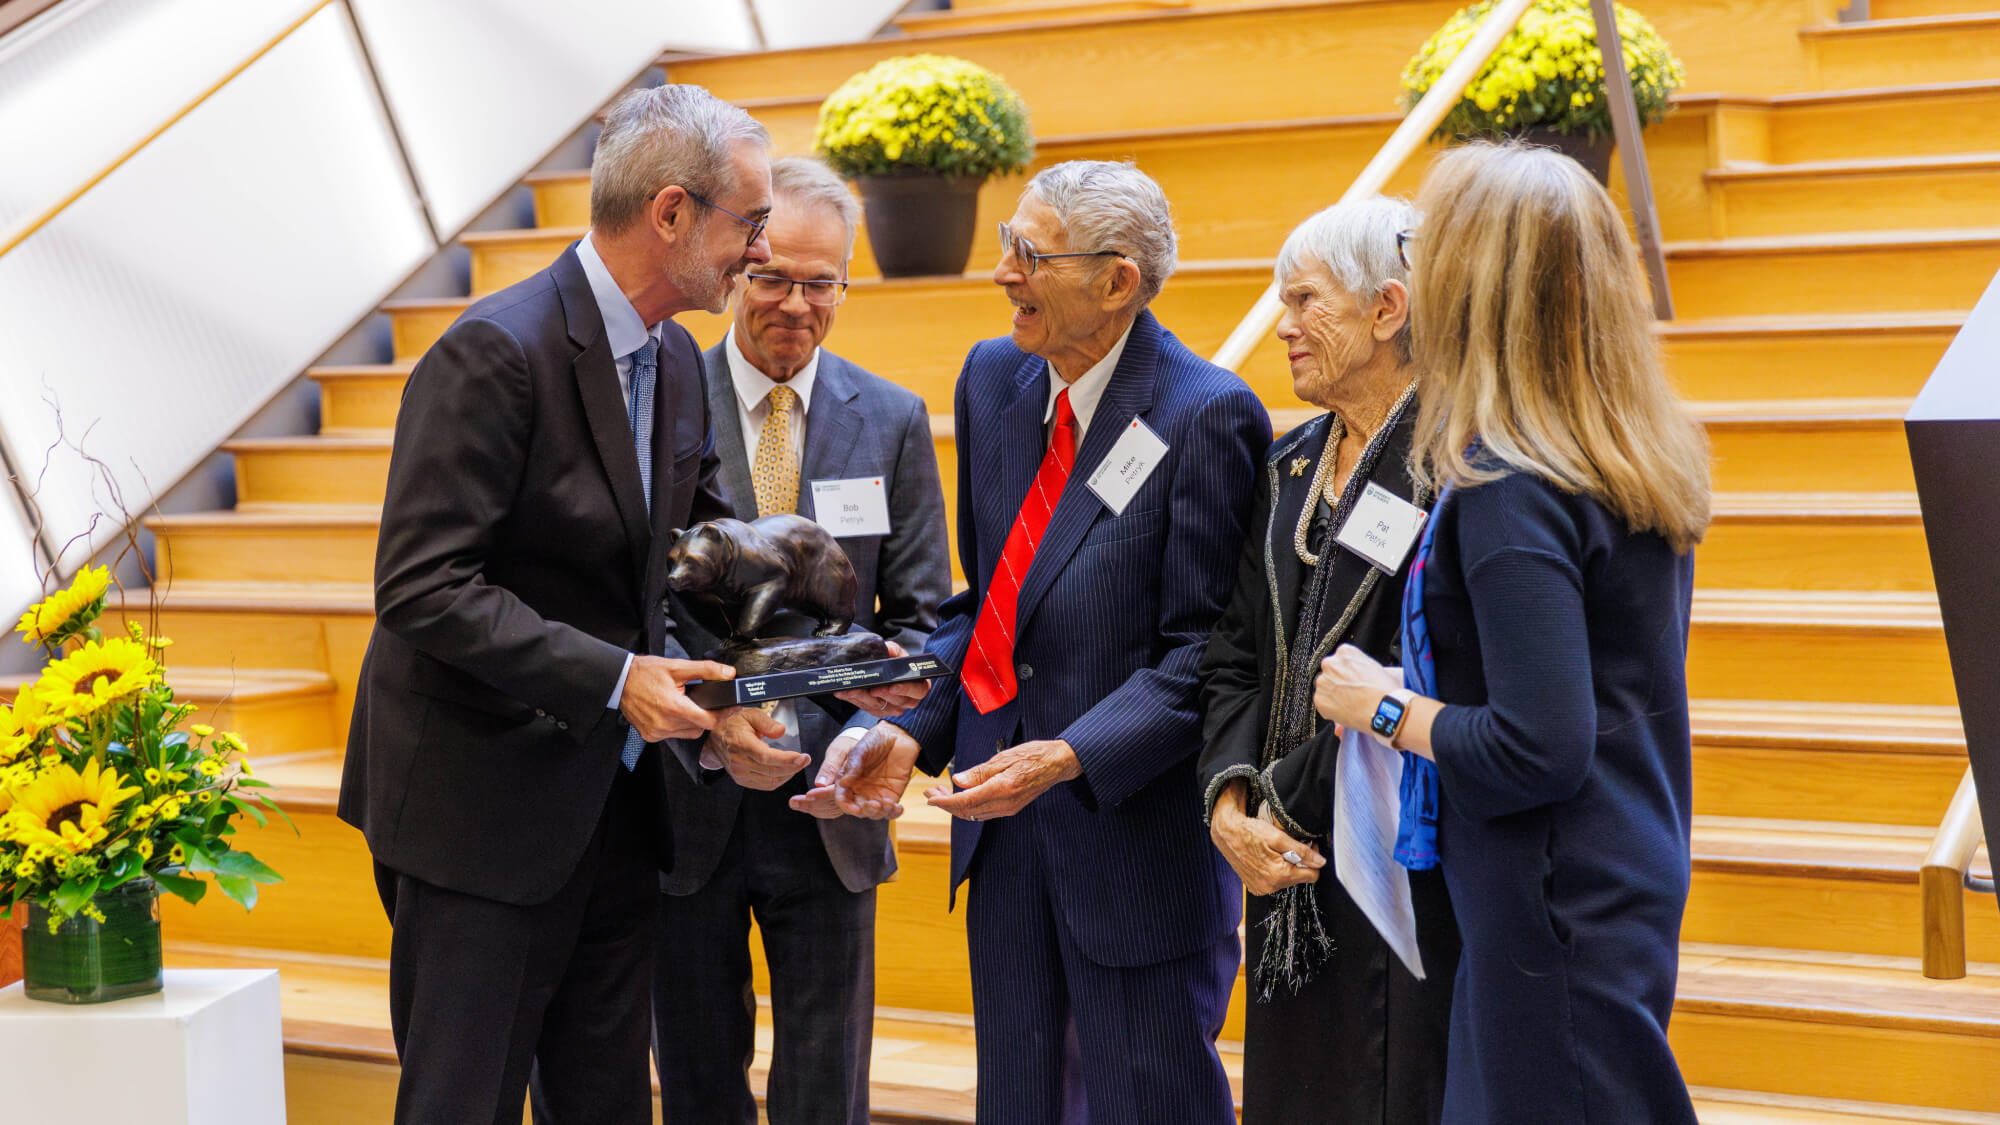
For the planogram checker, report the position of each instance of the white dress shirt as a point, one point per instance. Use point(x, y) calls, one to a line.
point(1088, 388)
point(625, 333)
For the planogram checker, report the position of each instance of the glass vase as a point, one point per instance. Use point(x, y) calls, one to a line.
point(89, 962)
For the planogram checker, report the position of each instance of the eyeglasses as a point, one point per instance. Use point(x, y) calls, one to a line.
point(1403, 240)
point(1024, 251)
point(756, 225)
point(771, 287)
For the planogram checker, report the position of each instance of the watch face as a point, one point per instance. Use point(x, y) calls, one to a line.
point(1388, 716)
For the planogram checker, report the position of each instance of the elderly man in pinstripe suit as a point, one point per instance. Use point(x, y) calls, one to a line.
point(1105, 473)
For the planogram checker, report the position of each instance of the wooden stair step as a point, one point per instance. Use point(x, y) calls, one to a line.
point(415, 323)
point(276, 710)
point(1745, 1107)
point(967, 18)
point(1258, 61)
point(1815, 541)
point(1915, 192)
point(1874, 763)
point(502, 257)
point(1958, 117)
point(1872, 1029)
point(1760, 357)
point(1875, 647)
point(315, 469)
point(1904, 9)
point(1788, 444)
point(1825, 274)
point(1928, 48)
point(359, 399)
point(331, 545)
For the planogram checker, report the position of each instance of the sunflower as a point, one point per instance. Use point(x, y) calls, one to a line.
point(67, 809)
point(16, 731)
point(94, 675)
point(66, 612)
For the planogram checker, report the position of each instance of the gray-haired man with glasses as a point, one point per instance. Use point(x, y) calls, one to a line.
point(798, 429)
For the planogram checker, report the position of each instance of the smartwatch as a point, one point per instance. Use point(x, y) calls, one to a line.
point(1390, 713)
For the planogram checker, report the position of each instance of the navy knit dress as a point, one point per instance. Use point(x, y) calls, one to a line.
point(1563, 754)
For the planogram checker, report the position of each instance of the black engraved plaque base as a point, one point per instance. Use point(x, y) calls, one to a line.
point(751, 688)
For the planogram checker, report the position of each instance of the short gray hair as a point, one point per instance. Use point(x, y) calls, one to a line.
point(1105, 205)
point(1355, 242)
point(808, 181)
point(664, 135)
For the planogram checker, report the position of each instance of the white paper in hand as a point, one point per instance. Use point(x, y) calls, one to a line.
point(1367, 801)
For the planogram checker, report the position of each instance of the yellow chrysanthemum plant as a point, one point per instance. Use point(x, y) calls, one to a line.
point(103, 779)
point(1548, 72)
point(925, 112)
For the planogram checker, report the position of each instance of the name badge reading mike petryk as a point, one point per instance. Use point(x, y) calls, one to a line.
point(1382, 528)
point(1133, 457)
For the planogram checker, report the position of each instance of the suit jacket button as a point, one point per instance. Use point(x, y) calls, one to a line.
point(541, 714)
point(1023, 672)
point(560, 725)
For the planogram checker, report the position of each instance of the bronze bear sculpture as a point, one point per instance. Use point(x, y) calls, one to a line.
point(750, 571)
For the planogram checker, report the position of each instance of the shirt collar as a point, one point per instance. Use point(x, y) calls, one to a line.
point(753, 386)
point(1089, 387)
point(623, 330)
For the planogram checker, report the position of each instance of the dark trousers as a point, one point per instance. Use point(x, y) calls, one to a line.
point(819, 941)
point(1061, 1038)
point(488, 999)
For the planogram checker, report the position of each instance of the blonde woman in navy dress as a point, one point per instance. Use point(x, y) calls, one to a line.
point(1544, 708)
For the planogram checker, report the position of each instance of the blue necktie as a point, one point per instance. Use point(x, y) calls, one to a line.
point(645, 375)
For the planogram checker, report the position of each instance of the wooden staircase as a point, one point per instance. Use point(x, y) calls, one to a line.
point(1831, 198)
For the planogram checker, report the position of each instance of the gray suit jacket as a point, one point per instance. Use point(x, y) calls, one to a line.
point(859, 425)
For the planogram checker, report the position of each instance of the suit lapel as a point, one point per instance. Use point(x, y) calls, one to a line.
point(833, 429)
point(596, 374)
point(730, 445)
point(1127, 395)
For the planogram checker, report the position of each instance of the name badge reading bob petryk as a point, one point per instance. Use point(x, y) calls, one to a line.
point(1382, 528)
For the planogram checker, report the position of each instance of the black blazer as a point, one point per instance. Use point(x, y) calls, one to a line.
point(515, 570)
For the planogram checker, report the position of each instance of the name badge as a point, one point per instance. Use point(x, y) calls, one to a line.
point(852, 507)
point(1382, 528)
point(1132, 459)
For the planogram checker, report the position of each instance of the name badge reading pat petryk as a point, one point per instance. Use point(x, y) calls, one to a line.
point(1382, 528)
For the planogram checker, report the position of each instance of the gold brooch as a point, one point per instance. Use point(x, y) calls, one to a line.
point(1299, 465)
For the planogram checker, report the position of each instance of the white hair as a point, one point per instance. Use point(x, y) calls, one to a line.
point(1105, 205)
point(659, 137)
point(808, 181)
point(1355, 242)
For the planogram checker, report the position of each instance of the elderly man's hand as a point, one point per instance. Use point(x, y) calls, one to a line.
point(888, 700)
point(1256, 850)
point(1005, 783)
point(738, 743)
point(873, 774)
point(656, 703)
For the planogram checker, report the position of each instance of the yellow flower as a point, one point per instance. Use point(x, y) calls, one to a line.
point(202, 730)
point(145, 849)
point(152, 776)
point(66, 809)
point(210, 768)
point(177, 855)
point(95, 675)
point(171, 810)
point(69, 610)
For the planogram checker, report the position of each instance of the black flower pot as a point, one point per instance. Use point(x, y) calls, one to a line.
point(920, 222)
point(1593, 152)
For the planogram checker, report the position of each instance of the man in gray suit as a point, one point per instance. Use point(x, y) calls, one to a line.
point(798, 429)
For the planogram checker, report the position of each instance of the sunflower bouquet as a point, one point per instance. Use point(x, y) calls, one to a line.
point(100, 784)
point(1548, 72)
point(933, 113)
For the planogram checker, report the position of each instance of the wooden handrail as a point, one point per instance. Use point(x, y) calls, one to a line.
point(1943, 881)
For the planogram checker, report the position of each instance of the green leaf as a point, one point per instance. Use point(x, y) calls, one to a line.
point(73, 896)
point(251, 810)
point(247, 866)
point(253, 783)
point(239, 888)
point(181, 886)
point(124, 867)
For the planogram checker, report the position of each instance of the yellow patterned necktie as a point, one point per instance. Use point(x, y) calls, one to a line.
point(775, 471)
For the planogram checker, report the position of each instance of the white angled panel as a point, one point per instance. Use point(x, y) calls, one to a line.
point(481, 89)
point(810, 23)
point(170, 302)
point(83, 84)
point(18, 560)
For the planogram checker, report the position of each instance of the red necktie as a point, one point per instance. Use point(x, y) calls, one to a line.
point(988, 674)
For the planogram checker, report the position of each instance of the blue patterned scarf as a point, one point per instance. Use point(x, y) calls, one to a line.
point(1417, 828)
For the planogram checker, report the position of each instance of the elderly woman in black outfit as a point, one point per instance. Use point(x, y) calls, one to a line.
point(1545, 670)
point(1338, 1029)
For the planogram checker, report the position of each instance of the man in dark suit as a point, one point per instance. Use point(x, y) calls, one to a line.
point(1104, 475)
point(504, 762)
point(797, 426)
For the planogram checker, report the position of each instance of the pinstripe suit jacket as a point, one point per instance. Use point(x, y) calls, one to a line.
point(860, 424)
point(1112, 620)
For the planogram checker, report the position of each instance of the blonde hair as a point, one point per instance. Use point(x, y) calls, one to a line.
point(1533, 334)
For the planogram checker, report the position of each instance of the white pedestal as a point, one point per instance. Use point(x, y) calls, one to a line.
point(209, 1050)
